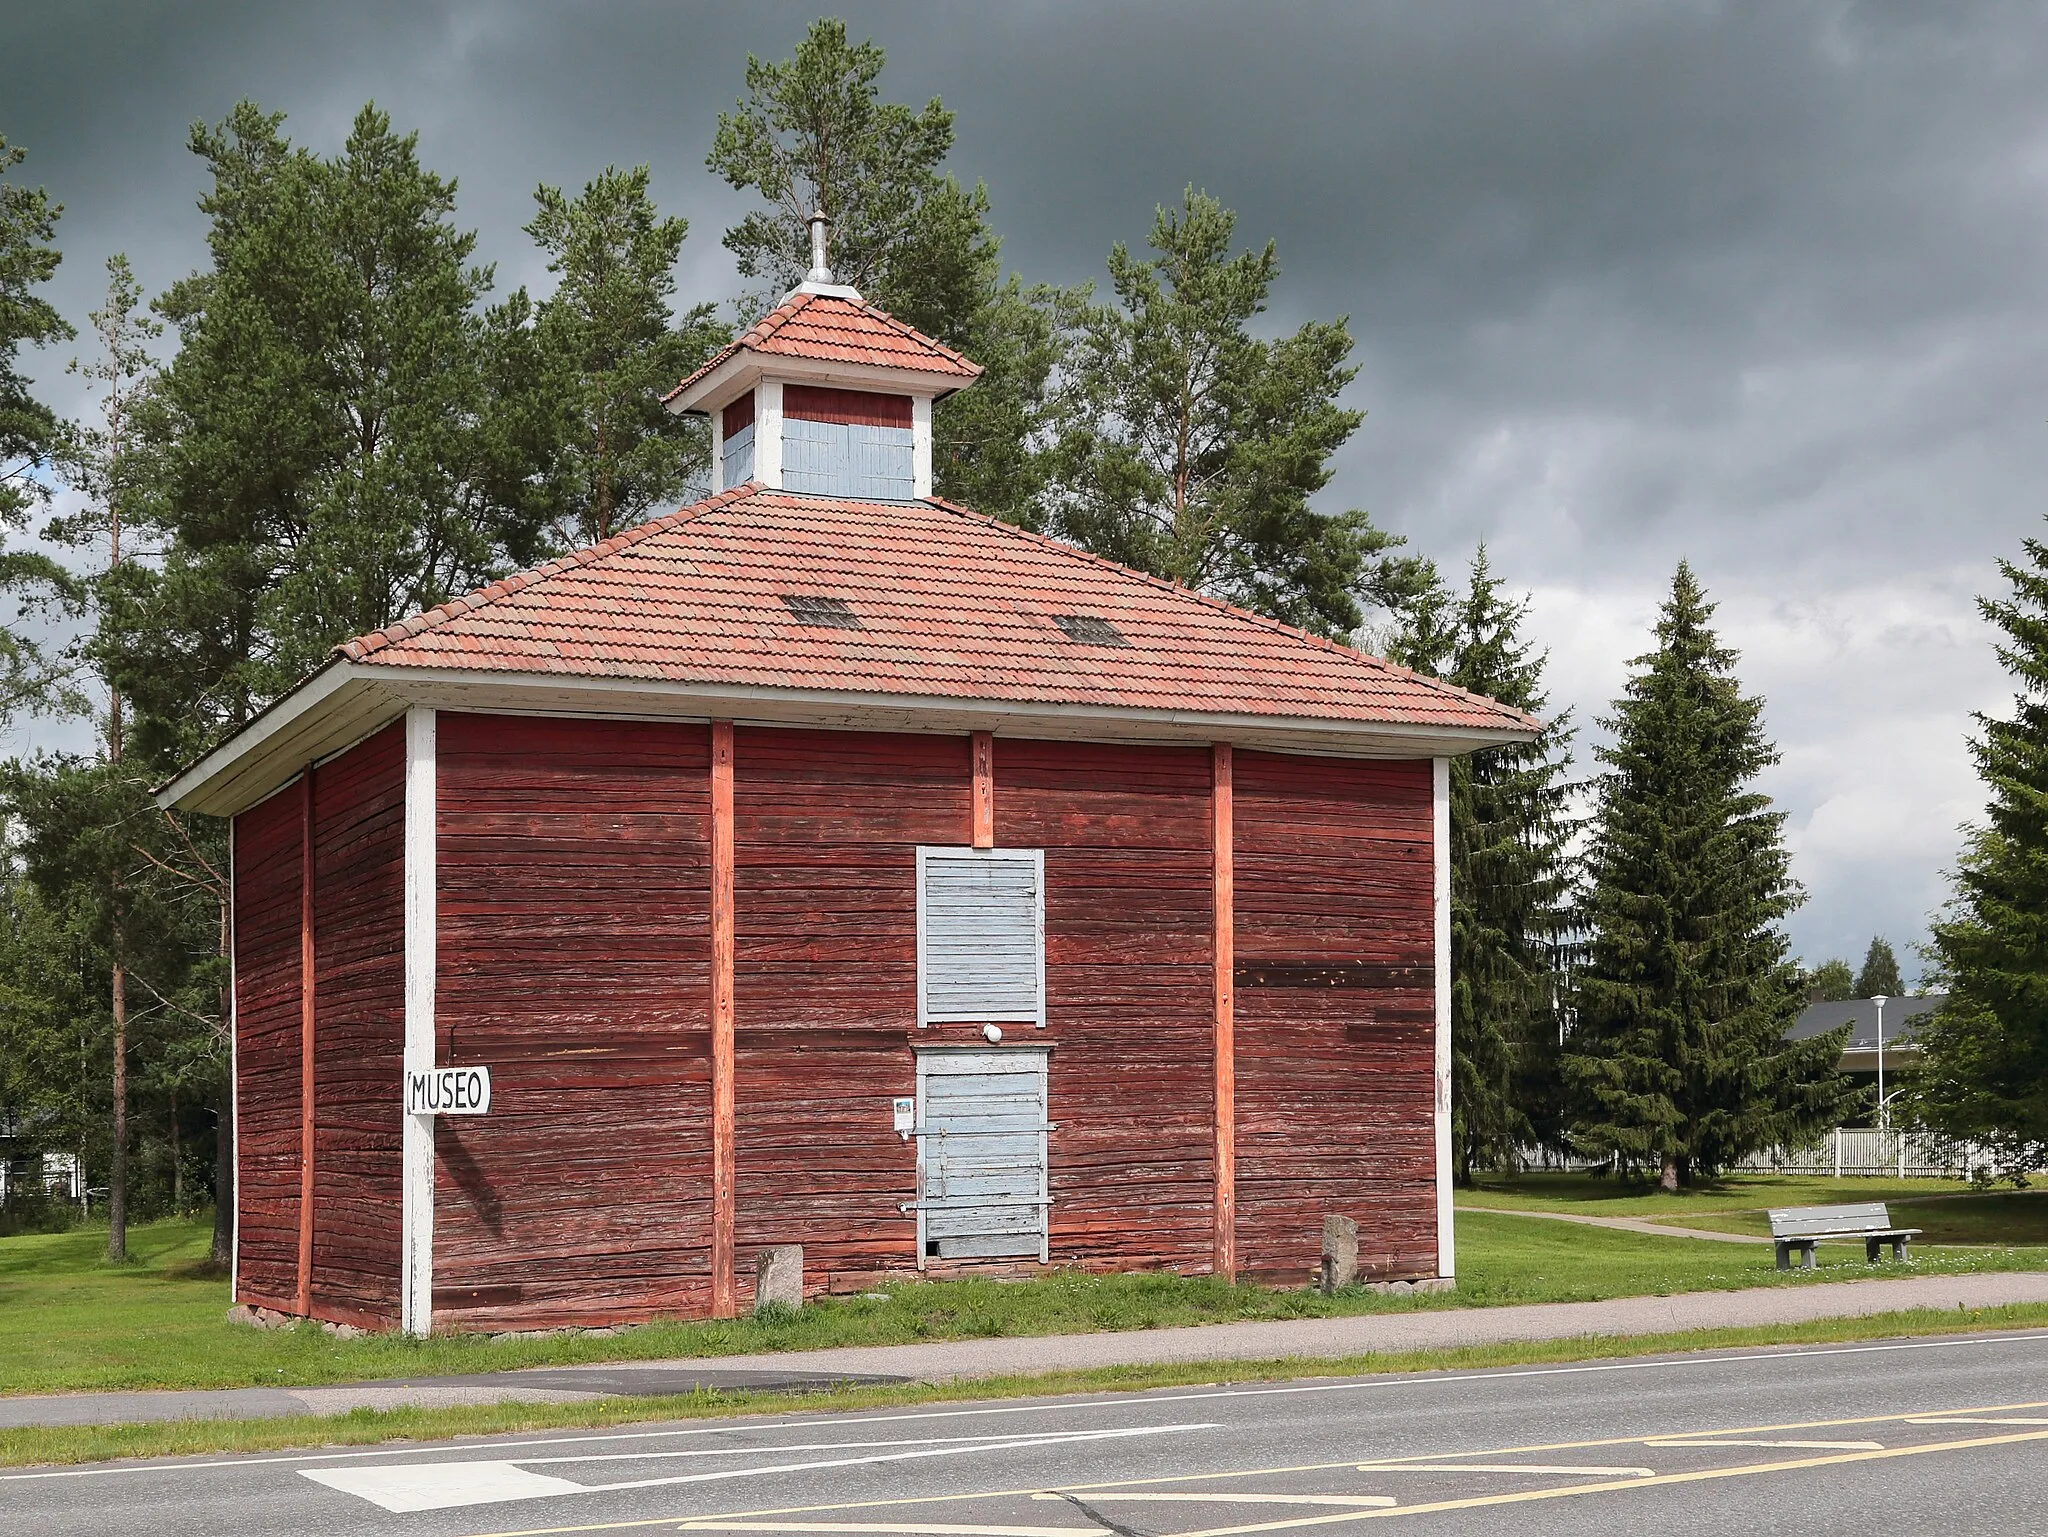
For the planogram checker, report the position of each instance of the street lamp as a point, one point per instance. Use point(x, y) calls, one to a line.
point(1884, 1119)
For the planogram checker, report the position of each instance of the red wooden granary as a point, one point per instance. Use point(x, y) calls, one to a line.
point(824, 864)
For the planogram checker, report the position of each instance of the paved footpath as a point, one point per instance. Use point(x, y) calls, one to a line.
point(1295, 1339)
point(1620, 1224)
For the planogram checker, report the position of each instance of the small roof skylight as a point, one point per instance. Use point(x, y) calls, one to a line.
point(1090, 630)
point(810, 608)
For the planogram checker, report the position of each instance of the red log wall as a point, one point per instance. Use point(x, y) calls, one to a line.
point(573, 955)
point(358, 1036)
point(827, 825)
point(267, 848)
point(1130, 993)
point(1336, 1024)
point(358, 1029)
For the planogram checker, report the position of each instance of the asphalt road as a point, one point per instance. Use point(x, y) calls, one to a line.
point(1926, 1435)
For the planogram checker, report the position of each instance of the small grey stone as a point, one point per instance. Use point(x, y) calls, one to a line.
point(779, 1277)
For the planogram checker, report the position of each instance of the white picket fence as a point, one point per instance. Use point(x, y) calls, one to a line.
point(1846, 1152)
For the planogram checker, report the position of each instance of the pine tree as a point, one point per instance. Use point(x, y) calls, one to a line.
point(1984, 1057)
point(1190, 448)
point(1510, 876)
point(101, 462)
point(615, 345)
point(813, 133)
point(28, 429)
point(1880, 977)
point(344, 436)
point(1677, 1056)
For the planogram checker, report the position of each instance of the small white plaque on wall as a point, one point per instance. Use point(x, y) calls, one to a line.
point(448, 1091)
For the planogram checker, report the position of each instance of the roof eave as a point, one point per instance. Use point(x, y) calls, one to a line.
point(347, 701)
point(745, 369)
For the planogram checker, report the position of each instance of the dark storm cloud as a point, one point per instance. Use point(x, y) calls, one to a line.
point(1762, 286)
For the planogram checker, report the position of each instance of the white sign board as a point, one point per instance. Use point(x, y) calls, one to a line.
point(448, 1091)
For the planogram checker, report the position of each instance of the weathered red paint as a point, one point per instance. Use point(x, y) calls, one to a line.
point(1220, 926)
point(983, 834)
point(1335, 1011)
point(1225, 906)
point(813, 403)
point(724, 1297)
point(308, 1036)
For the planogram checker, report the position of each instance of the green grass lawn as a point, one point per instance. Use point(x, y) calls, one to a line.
point(70, 1322)
point(1738, 1192)
point(1946, 1211)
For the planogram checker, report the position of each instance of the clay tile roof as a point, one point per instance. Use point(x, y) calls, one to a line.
point(950, 605)
point(840, 330)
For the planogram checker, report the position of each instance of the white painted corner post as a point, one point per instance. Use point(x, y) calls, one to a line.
point(920, 445)
point(234, 1086)
point(768, 433)
point(416, 1295)
point(1440, 864)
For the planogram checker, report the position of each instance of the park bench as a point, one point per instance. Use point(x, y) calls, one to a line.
point(1803, 1227)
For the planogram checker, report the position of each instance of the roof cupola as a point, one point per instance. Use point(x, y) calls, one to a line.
point(825, 394)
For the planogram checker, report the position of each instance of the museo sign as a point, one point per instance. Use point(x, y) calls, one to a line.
point(448, 1091)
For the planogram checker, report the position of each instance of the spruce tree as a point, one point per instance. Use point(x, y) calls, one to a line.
point(1511, 870)
point(1984, 1065)
point(1677, 1057)
point(1880, 977)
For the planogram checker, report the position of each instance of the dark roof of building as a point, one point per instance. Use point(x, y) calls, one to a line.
point(1860, 1014)
point(943, 602)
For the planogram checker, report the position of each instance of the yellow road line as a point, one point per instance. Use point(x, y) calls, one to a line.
point(1552, 1468)
point(922, 1529)
point(1211, 1497)
point(1567, 1491)
point(1811, 1446)
point(1383, 1465)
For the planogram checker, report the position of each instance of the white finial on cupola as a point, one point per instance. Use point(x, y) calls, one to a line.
point(820, 225)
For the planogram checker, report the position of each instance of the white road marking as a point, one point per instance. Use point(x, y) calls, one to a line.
point(1978, 1420)
point(444, 1486)
point(1094, 1497)
point(1815, 1446)
point(1502, 1467)
point(237, 1463)
point(780, 1448)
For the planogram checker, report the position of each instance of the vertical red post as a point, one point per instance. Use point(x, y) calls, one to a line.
point(724, 1298)
point(1224, 869)
point(306, 1016)
point(984, 790)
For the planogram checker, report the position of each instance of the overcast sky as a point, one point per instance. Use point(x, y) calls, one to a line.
point(1760, 286)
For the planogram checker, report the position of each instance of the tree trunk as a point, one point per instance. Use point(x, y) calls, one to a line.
point(117, 1175)
point(1670, 1180)
point(177, 1168)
